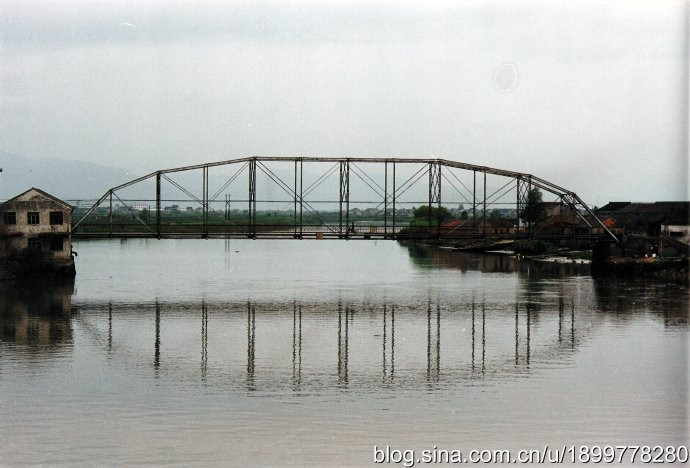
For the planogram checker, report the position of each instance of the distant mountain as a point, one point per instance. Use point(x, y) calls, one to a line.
point(65, 179)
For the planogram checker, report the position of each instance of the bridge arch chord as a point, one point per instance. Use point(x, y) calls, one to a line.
point(570, 198)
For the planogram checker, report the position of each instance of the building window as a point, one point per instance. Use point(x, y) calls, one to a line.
point(55, 333)
point(32, 217)
point(34, 243)
point(56, 244)
point(10, 217)
point(56, 217)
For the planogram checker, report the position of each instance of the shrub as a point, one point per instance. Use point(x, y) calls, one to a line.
point(531, 247)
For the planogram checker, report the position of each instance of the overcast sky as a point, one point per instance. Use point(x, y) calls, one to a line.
point(589, 95)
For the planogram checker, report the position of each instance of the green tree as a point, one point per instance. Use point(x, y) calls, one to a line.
point(533, 212)
point(420, 216)
point(495, 214)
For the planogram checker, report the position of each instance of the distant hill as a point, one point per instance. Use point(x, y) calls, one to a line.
point(65, 179)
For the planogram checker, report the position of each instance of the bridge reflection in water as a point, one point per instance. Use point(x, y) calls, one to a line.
point(352, 359)
point(307, 345)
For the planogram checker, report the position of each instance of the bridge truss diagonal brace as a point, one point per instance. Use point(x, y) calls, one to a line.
point(523, 187)
point(569, 198)
point(344, 202)
point(136, 216)
point(435, 191)
point(572, 198)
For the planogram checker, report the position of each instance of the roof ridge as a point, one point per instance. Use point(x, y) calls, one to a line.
point(42, 192)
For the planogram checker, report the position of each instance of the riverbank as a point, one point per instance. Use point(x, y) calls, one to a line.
point(668, 268)
point(543, 253)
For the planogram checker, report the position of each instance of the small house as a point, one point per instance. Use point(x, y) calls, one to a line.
point(478, 227)
point(665, 218)
point(36, 221)
point(559, 209)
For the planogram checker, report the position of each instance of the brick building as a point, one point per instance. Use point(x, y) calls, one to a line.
point(37, 220)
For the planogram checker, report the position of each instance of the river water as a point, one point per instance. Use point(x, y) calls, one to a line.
point(265, 352)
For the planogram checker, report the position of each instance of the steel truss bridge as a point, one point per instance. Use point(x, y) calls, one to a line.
point(324, 197)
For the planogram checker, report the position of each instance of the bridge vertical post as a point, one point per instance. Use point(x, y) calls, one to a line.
point(394, 188)
point(484, 211)
point(158, 204)
point(252, 197)
point(110, 214)
point(340, 201)
point(301, 195)
point(529, 189)
point(438, 199)
point(295, 199)
point(474, 199)
point(385, 199)
point(431, 178)
point(572, 229)
point(347, 204)
point(204, 202)
point(517, 206)
point(560, 214)
point(345, 195)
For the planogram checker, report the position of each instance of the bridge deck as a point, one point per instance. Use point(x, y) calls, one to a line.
point(329, 235)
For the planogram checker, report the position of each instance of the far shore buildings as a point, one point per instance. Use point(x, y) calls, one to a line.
point(35, 220)
point(670, 218)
